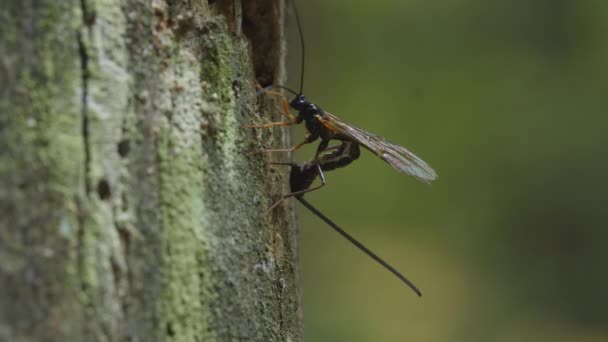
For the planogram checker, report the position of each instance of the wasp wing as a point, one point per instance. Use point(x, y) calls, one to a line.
point(397, 156)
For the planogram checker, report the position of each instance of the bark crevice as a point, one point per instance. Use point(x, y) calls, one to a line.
point(84, 115)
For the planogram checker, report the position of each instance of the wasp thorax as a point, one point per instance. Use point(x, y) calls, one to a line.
point(305, 107)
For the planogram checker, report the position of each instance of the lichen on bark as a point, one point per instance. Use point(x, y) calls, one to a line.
point(128, 210)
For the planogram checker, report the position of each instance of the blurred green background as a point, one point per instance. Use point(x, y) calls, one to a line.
point(507, 101)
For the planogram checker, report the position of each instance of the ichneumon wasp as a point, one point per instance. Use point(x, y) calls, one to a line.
point(325, 126)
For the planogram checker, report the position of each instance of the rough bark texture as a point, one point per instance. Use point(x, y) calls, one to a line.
point(127, 210)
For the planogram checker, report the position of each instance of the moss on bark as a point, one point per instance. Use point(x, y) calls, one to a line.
point(128, 210)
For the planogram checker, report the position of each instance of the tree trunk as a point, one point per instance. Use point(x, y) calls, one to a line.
point(128, 211)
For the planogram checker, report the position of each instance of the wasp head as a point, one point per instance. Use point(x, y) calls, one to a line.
point(305, 108)
point(299, 103)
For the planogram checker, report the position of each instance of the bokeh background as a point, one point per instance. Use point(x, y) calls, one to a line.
point(507, 101)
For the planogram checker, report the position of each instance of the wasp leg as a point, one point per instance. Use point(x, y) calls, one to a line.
point(270, 124)
point(310, 138)
point(284, 102)
point(284, 163)
point(286, 113)
point(322, 147)
point(291, 149)
point(301, 192)
point(323, 158)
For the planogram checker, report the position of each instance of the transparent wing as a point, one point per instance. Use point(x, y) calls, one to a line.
point(397, 156)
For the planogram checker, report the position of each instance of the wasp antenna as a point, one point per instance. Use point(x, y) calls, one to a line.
point(303, 52)
point(263, 90)
point(359, 245)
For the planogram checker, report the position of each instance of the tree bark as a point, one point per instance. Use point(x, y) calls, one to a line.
point(128, 211)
